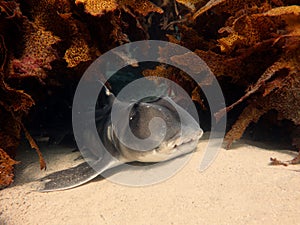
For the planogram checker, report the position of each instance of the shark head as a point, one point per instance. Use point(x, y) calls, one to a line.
point(159, 120)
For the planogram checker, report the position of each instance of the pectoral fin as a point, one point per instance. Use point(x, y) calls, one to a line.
point(78, 175)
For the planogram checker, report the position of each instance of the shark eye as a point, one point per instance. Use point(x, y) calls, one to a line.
point(133, 113)
point(150, 99)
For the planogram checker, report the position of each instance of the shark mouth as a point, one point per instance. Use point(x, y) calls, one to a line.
point(181, 140)
point(177, 146)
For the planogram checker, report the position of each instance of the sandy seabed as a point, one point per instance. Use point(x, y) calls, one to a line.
point(240, 187)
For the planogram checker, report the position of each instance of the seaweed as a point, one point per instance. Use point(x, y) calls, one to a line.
point(6, 169)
